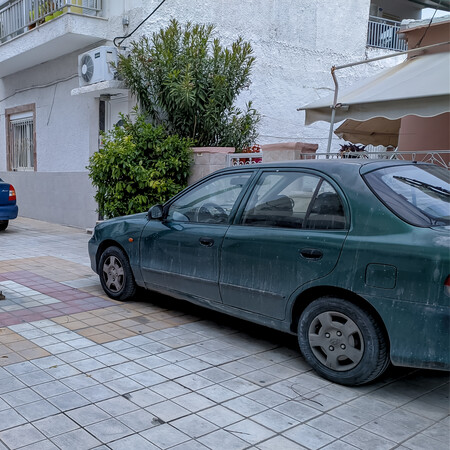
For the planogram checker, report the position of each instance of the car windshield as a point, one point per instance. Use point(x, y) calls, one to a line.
point(419, 194)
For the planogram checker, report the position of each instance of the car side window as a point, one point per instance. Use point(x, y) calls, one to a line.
point(326, 211)
point(293, 200)
point(211, 202)
point(280, 199)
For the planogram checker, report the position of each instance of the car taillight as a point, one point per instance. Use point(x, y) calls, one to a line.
point(12, 193)
point(447, 286)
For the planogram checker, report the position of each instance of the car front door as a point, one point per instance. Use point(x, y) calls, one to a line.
point(290, 231)
point(181, 252)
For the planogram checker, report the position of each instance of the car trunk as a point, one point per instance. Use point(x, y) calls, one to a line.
point(4, 193)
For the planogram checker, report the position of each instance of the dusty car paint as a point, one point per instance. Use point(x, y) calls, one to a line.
point(394, 269)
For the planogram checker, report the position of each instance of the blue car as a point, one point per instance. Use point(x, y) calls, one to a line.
point(8, 206)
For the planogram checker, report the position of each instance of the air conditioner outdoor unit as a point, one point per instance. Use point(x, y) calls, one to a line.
point(94, 66)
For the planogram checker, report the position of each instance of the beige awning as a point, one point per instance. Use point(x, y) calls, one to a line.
point(377, 131)
point(418, 86)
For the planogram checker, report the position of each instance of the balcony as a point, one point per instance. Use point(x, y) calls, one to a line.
point(384, 33)
point(36, 31)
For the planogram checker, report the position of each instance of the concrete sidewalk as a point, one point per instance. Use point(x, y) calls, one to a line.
point(80, 371)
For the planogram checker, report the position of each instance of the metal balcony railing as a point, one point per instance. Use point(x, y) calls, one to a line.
point(439, 157)
point(20, 16)
point(384, 33)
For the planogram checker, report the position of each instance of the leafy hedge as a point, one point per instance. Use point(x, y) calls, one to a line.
point(138, 166)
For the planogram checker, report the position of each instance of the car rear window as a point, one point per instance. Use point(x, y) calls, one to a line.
point(418, 194)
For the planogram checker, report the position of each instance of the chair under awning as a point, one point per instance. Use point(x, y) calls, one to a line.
point(418, 86)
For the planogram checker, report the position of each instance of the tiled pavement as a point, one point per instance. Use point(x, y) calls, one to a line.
point(80, 371)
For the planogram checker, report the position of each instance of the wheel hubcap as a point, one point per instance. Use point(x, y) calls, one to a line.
point(113, 274)
point(336, 341)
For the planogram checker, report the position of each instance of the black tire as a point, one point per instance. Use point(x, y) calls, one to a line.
point(342, 341)
point(116, 276)
point(4, 225)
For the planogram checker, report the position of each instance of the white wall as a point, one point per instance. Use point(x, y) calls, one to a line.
point(66, 126)
point(66, 135)
point(56, 197)
point(295, 44)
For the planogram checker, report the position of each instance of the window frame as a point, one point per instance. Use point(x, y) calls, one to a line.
point(29, 108)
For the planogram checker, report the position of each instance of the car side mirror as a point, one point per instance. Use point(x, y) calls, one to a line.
point(155, 212)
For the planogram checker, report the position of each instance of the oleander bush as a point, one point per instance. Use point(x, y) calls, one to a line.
point(187, 81)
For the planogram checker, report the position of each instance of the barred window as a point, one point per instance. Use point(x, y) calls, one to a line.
point(21, 141)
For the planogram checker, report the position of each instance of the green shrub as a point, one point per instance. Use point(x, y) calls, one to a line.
point(185, 80)
point(138, 166)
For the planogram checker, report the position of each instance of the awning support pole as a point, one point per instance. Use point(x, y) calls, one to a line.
point(333, 109)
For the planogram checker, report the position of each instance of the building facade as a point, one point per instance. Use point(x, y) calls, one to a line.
point(51, 117)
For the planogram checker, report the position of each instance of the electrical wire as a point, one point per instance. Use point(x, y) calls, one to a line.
point(29, 88)
point(53, 102)
point(130, 34)
point(428, 27)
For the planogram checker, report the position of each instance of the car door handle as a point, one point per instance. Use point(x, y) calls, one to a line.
point(311, 253)
point(206, 242)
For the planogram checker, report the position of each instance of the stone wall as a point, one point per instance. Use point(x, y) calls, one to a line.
point(210, 159)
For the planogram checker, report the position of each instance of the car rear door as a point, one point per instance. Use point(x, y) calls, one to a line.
point(290, 231)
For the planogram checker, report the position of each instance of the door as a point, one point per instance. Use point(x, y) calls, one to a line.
point(290, 231)
point(115, 107)
point(181, 253)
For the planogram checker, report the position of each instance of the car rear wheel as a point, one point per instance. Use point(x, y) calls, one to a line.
point(116, 275)
point(342, 341)
point(4, 224)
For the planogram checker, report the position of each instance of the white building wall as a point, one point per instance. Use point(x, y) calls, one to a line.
point(64, 124)
point(66, 135)
point(295, 44)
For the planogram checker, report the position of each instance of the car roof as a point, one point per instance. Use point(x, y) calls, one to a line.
point(326, 164)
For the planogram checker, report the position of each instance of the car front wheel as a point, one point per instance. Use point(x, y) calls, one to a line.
point(116, 275)
point(342, 341)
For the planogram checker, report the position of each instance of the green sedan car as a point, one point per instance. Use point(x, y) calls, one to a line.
point(352, 256)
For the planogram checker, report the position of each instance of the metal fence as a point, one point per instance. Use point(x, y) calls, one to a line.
point(244, 159)
point(17, 17)
point(384, 33)
point(441, 157)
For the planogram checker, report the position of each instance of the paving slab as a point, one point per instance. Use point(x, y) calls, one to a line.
point(81, 371)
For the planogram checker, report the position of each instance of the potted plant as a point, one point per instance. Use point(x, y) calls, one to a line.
point(351, 150)
point(57, 7)
point(48, 8)
point(31, 18)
